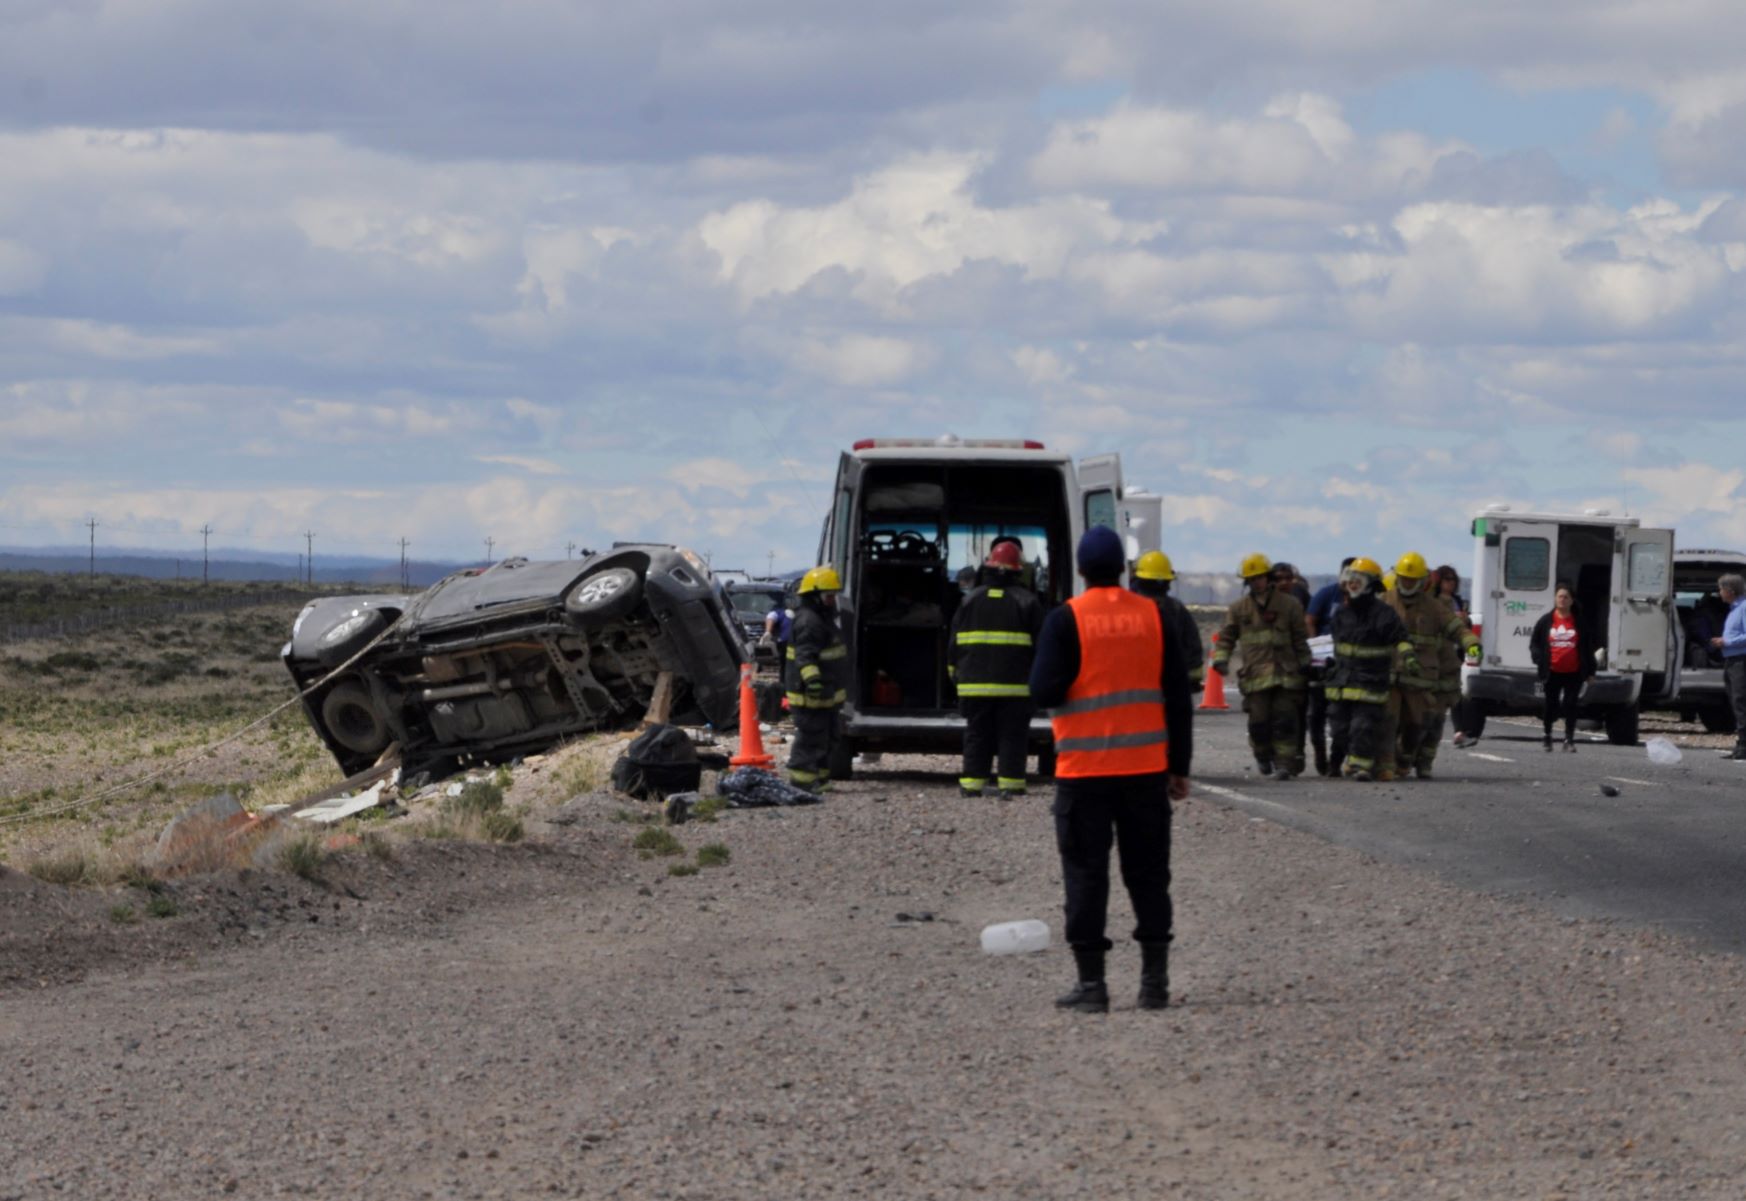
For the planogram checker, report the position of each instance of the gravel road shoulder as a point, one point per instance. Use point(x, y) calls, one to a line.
point(565, 1018)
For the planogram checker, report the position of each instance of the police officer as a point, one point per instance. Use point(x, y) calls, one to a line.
point(817, 679)
point(1118, 688)
point(1414, 701)
point(993, 639)
point(1368, 635)
point(1269, 624)
point(1152, 577)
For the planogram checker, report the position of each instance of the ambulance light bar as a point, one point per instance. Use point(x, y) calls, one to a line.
point(950, 440)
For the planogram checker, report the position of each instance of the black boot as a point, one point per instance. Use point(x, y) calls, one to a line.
point(1321, 760)
point(1090, 995)
point(1264, 766)
point(1154, 975)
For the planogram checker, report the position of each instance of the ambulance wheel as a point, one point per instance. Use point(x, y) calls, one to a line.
point(1622, 725)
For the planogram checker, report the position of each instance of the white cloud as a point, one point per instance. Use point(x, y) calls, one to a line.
point(525, 463)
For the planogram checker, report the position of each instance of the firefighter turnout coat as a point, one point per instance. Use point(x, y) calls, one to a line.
point(1368, 634)
point(1432, 628)
point(817, 674)
point(1274, 639)
point(994, 635)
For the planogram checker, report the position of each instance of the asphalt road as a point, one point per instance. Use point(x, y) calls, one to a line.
point(1506, 817)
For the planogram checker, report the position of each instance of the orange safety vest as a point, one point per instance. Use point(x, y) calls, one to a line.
point(1112, 723)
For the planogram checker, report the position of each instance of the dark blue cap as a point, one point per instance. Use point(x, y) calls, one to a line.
point(1101, 554)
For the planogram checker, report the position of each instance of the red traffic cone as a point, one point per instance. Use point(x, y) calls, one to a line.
point(1214, 696)
point(752, 753)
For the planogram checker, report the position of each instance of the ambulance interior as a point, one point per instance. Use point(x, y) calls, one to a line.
point(925, 530)
point(1585, 562)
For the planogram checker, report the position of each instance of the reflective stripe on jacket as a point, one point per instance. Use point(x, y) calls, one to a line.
point(1112, 722)
point(994, 636)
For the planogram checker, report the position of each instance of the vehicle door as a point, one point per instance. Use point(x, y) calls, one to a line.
point(1642, 628)
point(1142, 519)
point(1521, 589)
point(839, 539)
point(1100, 492)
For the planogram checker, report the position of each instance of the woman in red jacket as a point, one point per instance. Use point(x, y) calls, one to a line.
point(1564, 655)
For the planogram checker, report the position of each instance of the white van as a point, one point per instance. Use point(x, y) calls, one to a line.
point(911, 520)
point(1622, 576)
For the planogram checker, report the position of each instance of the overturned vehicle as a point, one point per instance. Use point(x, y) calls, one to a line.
point(507, 660)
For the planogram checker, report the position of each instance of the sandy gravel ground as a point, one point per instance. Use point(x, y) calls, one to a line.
point(562, 1018)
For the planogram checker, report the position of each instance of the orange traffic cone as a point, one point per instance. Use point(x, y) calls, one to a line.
point(752, 753)
point(1214, 696)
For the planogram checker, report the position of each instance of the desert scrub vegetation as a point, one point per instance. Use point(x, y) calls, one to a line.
point(83, 714)
point(477, 813)
point(713, 854)
point(302, 855)
point(654, 841)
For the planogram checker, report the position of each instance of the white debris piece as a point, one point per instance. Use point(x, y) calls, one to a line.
point(326, 813)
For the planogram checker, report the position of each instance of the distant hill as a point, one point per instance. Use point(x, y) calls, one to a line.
point(164, 565)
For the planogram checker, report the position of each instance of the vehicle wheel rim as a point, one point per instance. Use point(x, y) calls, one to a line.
point(604, 588)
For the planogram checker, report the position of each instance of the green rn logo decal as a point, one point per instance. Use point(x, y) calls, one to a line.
point(1516, 608)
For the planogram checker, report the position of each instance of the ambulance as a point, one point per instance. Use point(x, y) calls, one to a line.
point(1622, 577)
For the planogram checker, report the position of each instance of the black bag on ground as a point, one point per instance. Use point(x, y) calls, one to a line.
point(659, 762)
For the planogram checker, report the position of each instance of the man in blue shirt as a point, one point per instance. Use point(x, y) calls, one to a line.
point(1732, 644)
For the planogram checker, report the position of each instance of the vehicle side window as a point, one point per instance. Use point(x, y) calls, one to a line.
point(1527, 564)
point(840, 529)
point(1100, 509)
point(1646, 568)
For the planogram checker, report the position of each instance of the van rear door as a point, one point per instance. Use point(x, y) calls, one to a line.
point(1100, 492)
point(1521, 590)
point(1641, 622)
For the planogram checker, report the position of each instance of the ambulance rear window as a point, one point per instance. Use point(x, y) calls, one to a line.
point(1527, 564)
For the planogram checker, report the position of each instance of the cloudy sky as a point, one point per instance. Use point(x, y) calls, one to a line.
point(1327, 275)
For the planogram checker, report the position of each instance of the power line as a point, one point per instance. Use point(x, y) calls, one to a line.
point(405, 573)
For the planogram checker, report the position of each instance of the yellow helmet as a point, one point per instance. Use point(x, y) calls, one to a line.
point(1154, 565)
point(1254, 565)
point(1368, 566)
point(820, 579)
point(1411, 566)
point(1388, 582)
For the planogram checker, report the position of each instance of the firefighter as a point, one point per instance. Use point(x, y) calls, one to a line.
point(1432, 628)
point(1368, 635)
point(1152, 577)
point(817, 679)
point(1269, 625)
point(993, 638)
point(1119, 693)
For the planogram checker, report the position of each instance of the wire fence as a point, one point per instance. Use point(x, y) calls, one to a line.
point(117, 615)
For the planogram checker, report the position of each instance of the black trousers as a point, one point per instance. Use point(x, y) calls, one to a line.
point(815, 737)
point(1317, 719)
point(1734, 676)
point(995, 727)
point(1134, 813)
point(1561, 692)
point(1357, 729)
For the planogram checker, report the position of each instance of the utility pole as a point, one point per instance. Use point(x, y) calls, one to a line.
point(309, 562)
point(405, 574)
point(93, 524)
point(770, 568)
point(299, 567)
point(569, 550)
point(205, 562)
point(489, 544)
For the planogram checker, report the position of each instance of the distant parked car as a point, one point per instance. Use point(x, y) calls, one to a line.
point(753, 601)
point(507, 660)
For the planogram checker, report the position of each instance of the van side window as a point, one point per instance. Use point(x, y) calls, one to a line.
point(841, 525)
point(1527, 564)
point(1646, 570)
point(1100, 509)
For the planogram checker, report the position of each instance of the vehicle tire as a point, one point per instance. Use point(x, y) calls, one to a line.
point(606, 595)
point(1717, 719)
point(1046, 764)
point(842, 760)
point(1622, 725)
point(351, 718)
point(375, 621)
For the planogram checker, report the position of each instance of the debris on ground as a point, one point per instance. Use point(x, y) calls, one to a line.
point(660, 761)
point(755, 788)
point(337, 809)
point(1609, 790)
